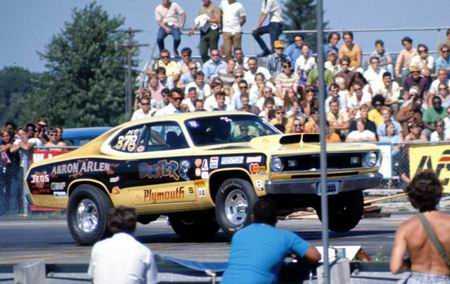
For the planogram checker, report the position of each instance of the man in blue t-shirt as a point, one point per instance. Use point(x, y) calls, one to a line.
point(258, 250)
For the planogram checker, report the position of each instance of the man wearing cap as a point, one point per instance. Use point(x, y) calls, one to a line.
point(276, 59)
point(270, 9)
point(415, 78)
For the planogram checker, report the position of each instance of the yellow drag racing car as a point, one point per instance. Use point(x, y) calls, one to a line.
point(204, 171)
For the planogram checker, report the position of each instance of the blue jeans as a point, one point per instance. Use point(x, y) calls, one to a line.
point(162, 34)
point(10, 191)
point(274, 29)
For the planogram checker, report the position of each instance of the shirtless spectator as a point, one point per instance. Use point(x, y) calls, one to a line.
point(428, 258)
point(404, 58)
point(351, 50)
point(170, 18)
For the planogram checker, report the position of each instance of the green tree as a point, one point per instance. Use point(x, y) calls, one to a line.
point(15, 84)
point(84, 85)
point(301, 15)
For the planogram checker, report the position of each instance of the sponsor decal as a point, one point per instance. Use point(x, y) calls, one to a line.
point(254, 168)
point(205, 175)
point(214, 162)
point(259, 184)
point(39, 179)
point(253, 159)
point(59, 193)
point(205, 165)
point(57, 186)
point(162, 168)
point(184, 169)
point(169, 195)
point(201, 192)
point(198, 172)
point(431, 157)
point(80, 167)
point(232, 160)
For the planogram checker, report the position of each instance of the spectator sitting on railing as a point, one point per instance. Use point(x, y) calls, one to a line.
point(213, 65)
point(423, 60)
point(402, 65)
point(383, 55)
point(121, 258)
point(294, 49)
point(276, 59)
point(351, 50)
point(170, 18)
point(9, 174)
point(443, 61)
point(30, 128)
point(270, 9)
point(258, 250)
point(423, 237)
point(234, 17)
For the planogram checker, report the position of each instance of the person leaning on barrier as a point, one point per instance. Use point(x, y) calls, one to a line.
point(258, 250)
point(121, 258)
point(424, 237)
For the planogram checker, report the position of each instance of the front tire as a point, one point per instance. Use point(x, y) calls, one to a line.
point(194, 226)
point(87, 214)
point(234, 204)
point(345, 210)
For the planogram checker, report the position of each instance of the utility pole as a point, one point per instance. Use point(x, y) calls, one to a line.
point(323, 143)
point(130, 47)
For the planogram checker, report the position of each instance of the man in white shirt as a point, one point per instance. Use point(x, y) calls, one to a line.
point(442, 78)
point(270, 9)
point(174, 106)
point(144, 110)
point(234, 17)
point(170, 18)
point(192, 96)
point(374, 73)
point(203, 89)
point(389, 89)
point(253, 69)
point(305, 62)
point(121, 258)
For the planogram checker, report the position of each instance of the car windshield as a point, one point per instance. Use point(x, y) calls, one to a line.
point(227, 129)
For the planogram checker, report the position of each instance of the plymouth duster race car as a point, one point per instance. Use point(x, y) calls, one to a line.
point(204, 171)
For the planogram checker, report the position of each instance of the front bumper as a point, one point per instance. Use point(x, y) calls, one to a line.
point(336, 185)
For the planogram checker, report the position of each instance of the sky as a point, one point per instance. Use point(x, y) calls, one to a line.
point(28, 25)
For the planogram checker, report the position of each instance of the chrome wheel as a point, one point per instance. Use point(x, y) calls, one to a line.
point(87, 216)
point(236, 205)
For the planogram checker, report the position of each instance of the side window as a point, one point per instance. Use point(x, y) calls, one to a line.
point(165, 136)
point(129, 139)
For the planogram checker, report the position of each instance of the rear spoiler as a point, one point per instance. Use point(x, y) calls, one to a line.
point(299, 138)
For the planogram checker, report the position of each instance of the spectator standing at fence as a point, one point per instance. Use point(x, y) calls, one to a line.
point(24, 146)
point(30, 128)
point(234, 17)
point(270, 10)
point(293, 51)
point(351, 50)
point(9, 172)
point(258, 250)
point(443, 61)
point(121, 258)
point(175, 98)
point(402, 65)
point(208, 22)
point(384, 56)
point(332, 43)
point(170, 18)
point(213, 65)
point(276, 59)
point(423, 237)
point(144, 110)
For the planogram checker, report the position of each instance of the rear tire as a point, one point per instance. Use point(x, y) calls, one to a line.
point(87, 214)
point(194, 226)
point(345, 210)
point(234, 204)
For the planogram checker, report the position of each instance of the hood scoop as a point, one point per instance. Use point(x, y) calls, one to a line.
point(299, 138)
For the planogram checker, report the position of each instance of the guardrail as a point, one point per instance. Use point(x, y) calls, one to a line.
point(207, 270)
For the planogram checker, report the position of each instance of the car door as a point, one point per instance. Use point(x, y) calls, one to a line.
point(157, 172)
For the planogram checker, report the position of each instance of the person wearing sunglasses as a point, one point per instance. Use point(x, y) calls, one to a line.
point(415, 79)
point(443, 62)
point(442, 79)
point(175, 98)
point(423, 60)
point(144, 110)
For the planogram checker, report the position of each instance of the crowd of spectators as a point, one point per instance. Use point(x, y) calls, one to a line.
point(385, 99)
point(16, 146)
